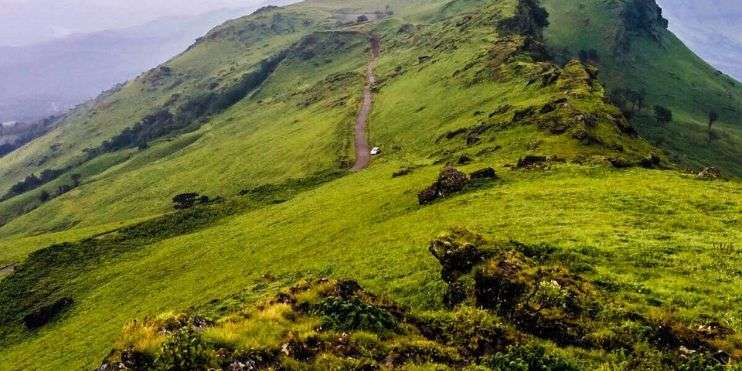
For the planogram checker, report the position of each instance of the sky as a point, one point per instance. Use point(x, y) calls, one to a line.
point(711, 28)
point(24, 22)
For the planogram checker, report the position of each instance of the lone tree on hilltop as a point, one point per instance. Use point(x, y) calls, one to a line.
point(662, 114)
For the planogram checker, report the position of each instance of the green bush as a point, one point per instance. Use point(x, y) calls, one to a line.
point(530, 357)
point(353, 314)
point(184, 350)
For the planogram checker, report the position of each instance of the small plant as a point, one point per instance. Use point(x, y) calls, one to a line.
point(353, 314)
point(184, 350)
point(549, 294)
point(530, 357)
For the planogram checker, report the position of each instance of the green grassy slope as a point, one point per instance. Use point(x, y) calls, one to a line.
point(220, 57)
point(273, 137)
point(287, 131)
point(667, 71)
point(451, 84)
point(650, 231)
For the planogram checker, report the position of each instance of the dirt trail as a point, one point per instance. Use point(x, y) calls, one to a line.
point(363, 156)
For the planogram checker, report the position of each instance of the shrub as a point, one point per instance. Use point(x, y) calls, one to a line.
point(475, 331)
point(531, 357)
point(184, 350)
point(704, 361)
point(662, 114)
point(353, 314)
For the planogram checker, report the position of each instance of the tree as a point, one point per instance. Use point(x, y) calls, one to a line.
point(44, 196)
point(637, 99)
point(662, 114)
point(627, 100)
point(713, 117)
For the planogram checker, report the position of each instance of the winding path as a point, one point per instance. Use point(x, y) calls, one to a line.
point(363, 155)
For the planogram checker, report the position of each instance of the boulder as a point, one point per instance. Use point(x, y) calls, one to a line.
point(428, 195)
point(451, 180)
point(531, 161)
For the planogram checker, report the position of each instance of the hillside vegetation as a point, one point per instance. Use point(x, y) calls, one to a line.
point(630, 42)
point(205, 214)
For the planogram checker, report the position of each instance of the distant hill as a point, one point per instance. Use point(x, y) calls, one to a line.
point(45, 79)
point(711, 28)
point(630, 42)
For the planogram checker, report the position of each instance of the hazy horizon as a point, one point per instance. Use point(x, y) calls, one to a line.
point(27, 22)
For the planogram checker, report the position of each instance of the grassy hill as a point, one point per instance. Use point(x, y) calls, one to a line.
point(258, 116)
point(635, 51)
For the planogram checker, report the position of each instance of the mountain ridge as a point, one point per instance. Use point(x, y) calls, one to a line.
point(77, 68)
